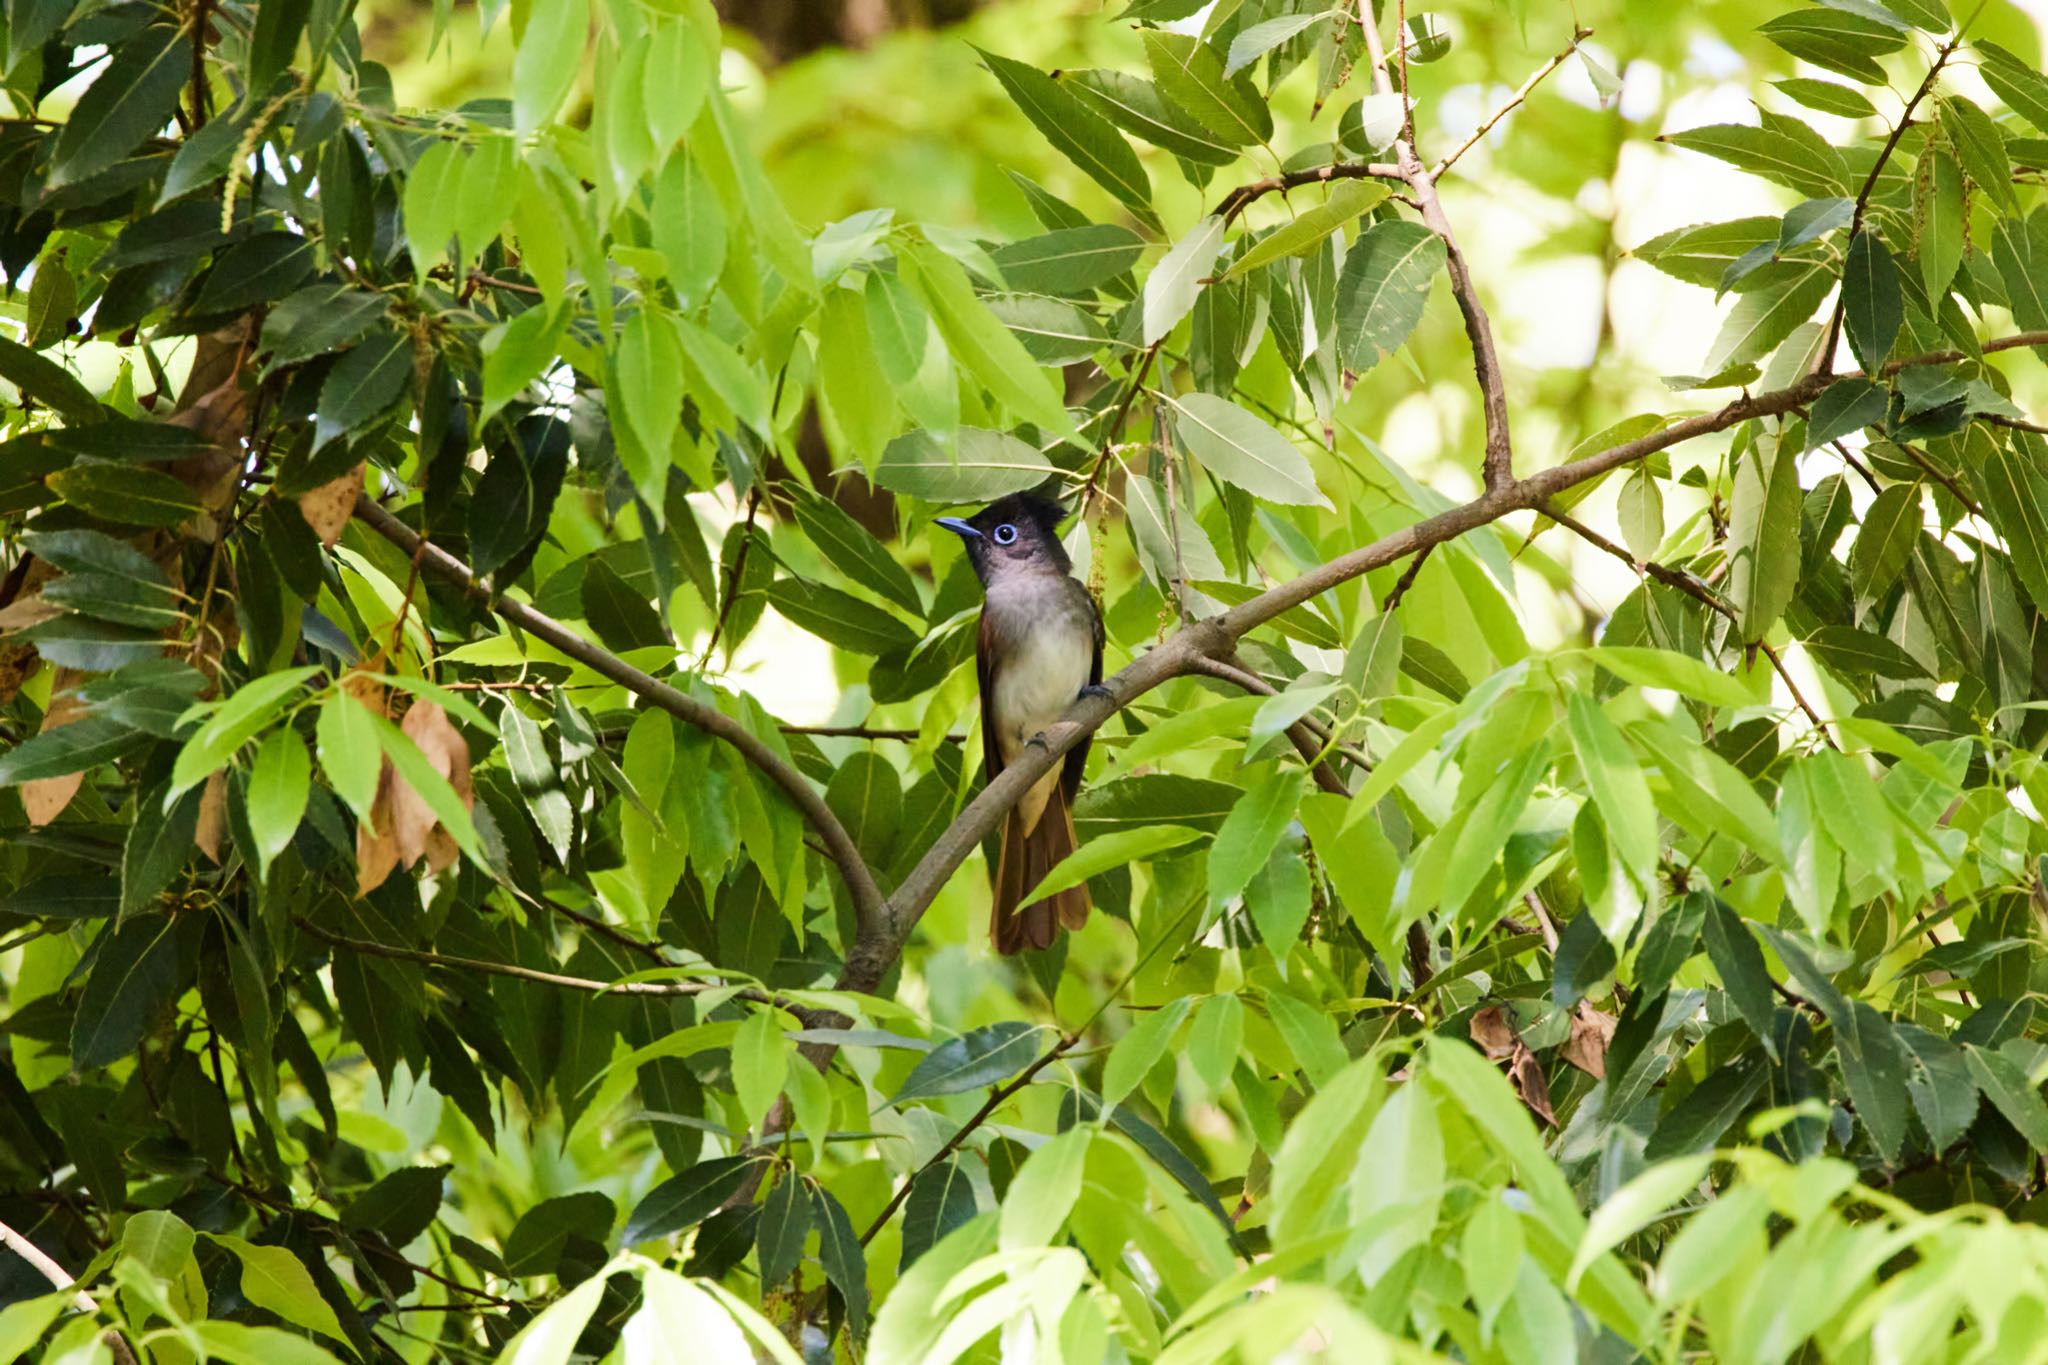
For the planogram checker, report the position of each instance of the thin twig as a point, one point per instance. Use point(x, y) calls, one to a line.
point(864, 732)
point(1497, 465)
point(1241, 198)
point(732, 582)
point(1406, 580)
point(1117, 418)
point(952, 1144)
point(1884, 155)
point(1692, 587)
point(1527, 87)
point(1297, 734)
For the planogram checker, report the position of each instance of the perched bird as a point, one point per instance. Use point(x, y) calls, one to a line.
point(1039, 648)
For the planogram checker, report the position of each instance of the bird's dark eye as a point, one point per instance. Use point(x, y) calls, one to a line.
point(1006, 534)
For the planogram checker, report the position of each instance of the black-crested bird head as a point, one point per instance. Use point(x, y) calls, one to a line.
point(1014, 534)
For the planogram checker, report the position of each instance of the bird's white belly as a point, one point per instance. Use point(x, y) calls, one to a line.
point(1038, 681)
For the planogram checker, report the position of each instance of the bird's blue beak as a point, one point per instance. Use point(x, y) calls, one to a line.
point(958, 527)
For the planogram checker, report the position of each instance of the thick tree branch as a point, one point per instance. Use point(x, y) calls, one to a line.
point(1498, 463)
point(839, 845)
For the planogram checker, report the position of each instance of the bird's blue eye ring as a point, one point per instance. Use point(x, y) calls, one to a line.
point(1006, 534)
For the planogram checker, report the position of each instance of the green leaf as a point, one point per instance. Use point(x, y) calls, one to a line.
point(1886, 537)
point(1617, 785)
point(1740, 964)
point(518, 352)
point(982, 1057)
point(246, 713)
point(1135, 105)
point(982, 345)
point(1703, 255)
point(1171, 288)
point(86, 551)
point(1251, 832)
point(841, 1255)
point(401, 1205)
point(537, 779)
point(856, 388)
point(1241, 449)
point(689, 227)
point(1109, 851)
point(134, 979)
point(276, 1280)
point(1070, 260)
point(1044, 1190)
point(941, 1201)
point(275, 42)
point(1634, 1207)
point(1763, 535)
point(779, 1235)
point(1847, 650)
point(2014, 80)
point(126, 103)
point(1380, 296)
point(130, 441)
point(1874, 1066)
point(2020, 251)
point(318, 319)
point(85, 743)
point(1765, 316)
point(989, 465)
point(363, 385)
point(1697, 1122)
point(1828, 97)
point(737, 384)
point(1310, 1034)
point(346, 739)
point(840, 618)
point(682, 1201)
point(1348, 199)
point(279, 782)
point(1943, 1090)
point(63, 896)
point(1213, 1041)
point(2014, 493)
point(549, 55)
point(1982, 149)
point(760, 1063)
point(620, 615)
point(1775, 155)
point(1941, 224)
point(1080, 134)
point(261, 269)
point(1836, 40)
point(1141, 1049)
point(1254, 42)
point(551, 1336)
point(125, 494)
point(1190, 74)
point(2011, 1091)
point(1847, 406)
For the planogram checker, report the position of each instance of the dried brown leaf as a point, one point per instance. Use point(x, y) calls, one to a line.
point(376, 850)
point(328, 507)
point(46, 797)
point(213, 816)
point(18, 663)
point(27, 611)
point(1592, 1034)
point(1492, 1032)
point(1530, 1084)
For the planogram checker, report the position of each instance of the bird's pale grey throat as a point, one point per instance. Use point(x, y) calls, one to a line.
point(1039, 647)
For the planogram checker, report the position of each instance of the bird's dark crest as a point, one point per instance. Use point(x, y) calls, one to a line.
point(1035, 508)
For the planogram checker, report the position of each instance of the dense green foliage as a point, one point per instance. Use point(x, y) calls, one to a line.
point(421, 937)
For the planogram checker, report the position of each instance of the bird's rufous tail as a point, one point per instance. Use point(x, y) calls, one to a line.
point(1026, 858)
